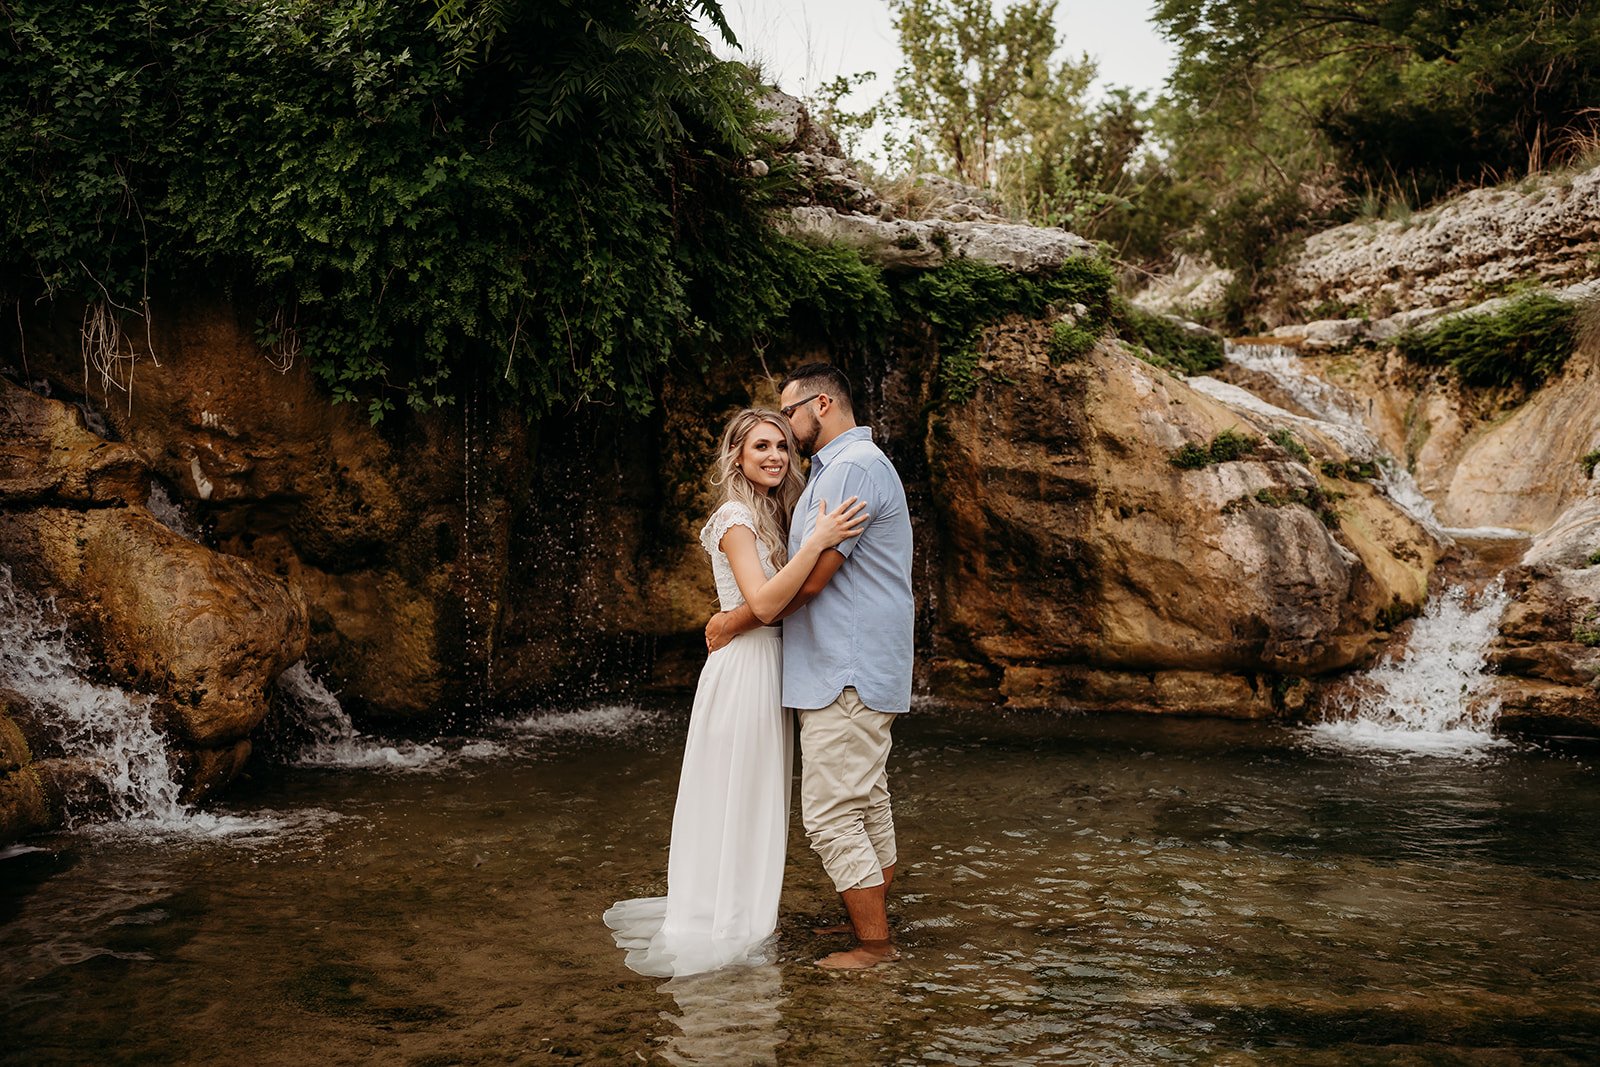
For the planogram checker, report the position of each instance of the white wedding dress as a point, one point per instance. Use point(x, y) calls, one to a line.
point(731, 824)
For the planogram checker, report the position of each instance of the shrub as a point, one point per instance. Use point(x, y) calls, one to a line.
point(1589, 461)
point(1285, 439)
point(1176, 348)
point(1522, 344)
point(1224, 447)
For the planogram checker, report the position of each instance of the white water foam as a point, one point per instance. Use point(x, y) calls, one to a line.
point(1430, 698)
point(617, 720)
point(111, 730)
point(100, 723)
point(335, 742)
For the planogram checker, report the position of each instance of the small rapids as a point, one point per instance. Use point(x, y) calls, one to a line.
point(1342, 416)
point(334, 740)
point(1431, 696)
point(110, 732)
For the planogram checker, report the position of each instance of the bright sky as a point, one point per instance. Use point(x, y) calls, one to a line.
point(802, 44)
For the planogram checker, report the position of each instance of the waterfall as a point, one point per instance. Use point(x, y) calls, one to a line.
point(333, 740)
point(112, 729)
point(1432, 695)
point(109, 729)
point(1344, 415)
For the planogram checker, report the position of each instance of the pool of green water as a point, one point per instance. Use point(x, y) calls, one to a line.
point(1073, 890)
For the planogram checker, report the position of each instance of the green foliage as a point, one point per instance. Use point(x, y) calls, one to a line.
point(1171, 344)
point(1351, 470)
point(1224, 447)
point(1285, 439)
point(960, 298)
point(1589, 461)
point(1524, 343)
point(1283, 116)
point(980, 84)
point(1594, 558)
point(1069, 341)
point(547, 197)
point(1586, 628)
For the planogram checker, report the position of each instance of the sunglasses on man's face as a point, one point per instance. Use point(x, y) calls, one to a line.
point(788, 410)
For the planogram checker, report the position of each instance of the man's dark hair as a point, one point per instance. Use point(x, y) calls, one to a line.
point(822, 378)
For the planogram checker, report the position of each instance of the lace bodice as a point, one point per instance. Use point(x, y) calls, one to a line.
point(732, 513)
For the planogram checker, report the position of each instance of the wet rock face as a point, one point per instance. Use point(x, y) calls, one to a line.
point(397, 553)
point(1548, 649)
point(1079, 566)
point(203, 631)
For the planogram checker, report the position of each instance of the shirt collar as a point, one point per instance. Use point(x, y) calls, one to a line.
point(835, 446)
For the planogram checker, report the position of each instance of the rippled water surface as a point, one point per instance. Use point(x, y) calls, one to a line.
point(1073, 891)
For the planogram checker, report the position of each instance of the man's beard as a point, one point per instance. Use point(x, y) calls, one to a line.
point(805, 444)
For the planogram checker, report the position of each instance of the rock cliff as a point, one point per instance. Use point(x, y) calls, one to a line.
point(203, 632)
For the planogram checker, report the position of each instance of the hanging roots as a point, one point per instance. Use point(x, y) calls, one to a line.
point(106, 350)
point(283, 340)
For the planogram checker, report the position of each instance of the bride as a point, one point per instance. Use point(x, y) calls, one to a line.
point(730, 827)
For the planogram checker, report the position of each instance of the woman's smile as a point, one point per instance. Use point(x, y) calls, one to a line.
point(765, 459)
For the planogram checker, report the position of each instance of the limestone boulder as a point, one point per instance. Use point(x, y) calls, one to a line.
point(923, 244)
point(1081, 565)
point(1547, 653)
point(206, 631)
point(1546, 228)
point(201, 633)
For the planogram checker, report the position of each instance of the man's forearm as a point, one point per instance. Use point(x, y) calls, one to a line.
point(740, 620)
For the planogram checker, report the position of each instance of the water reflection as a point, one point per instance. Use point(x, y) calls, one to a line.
point(731, 1016)
point(1073, 891)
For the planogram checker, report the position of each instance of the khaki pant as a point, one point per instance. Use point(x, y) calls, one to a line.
point(844, 790)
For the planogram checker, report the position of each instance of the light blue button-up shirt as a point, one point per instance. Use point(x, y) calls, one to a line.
point(858, 630)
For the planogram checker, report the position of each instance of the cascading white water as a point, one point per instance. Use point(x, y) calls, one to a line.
point(103, 724)
point(1337, 408)
point(334, 740)
point(1431, 696)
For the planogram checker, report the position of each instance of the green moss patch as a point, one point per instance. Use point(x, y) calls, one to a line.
point(1169, 344)
point(1522, 344)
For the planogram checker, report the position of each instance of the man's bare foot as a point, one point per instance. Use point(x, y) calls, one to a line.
point(860, 958)
point(829, 931)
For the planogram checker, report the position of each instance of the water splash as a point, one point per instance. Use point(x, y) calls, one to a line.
point(334, 740)
point(112, 729)
point(1433, 695)
point(609, 721)
point(169, 514)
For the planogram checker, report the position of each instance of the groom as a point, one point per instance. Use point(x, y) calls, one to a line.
point(846, 654)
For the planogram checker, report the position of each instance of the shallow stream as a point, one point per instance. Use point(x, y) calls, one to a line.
point(1101, 891)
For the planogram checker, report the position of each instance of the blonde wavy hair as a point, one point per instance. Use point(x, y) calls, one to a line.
point(772, 510)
